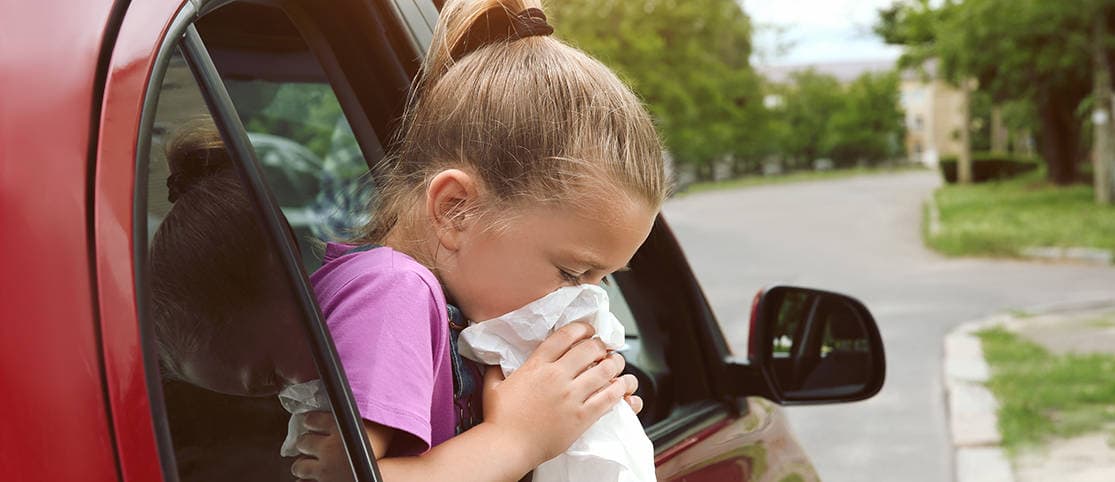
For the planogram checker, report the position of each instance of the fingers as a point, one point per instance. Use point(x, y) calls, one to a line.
point(606, 398)
point(632, 384)
point(560, 341)
point(305, 468)
point(635, 402)
point(599, 376)
point(583, 356)
point(310, 443)
point(320, 422)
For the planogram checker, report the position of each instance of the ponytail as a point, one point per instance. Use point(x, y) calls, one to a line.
point(535, 120)
point(465, 26)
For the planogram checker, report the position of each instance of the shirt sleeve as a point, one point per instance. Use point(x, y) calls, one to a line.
point(382, 327)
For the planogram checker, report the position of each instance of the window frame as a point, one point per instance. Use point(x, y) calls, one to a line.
point(184, 36)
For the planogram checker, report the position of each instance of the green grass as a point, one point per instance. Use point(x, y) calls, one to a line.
point(1043, 395)
point(1106, 322)
point(1004, 218)
point(799, 176)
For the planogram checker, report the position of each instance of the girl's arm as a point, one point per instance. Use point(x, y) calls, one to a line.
point(529, 418)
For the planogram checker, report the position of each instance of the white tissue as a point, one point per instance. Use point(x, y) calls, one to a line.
point(615, 448)
point(299, 399)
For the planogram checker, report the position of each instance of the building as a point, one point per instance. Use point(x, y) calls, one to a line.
point(935, 113)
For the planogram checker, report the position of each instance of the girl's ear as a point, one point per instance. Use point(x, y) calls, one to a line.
point(450, 196)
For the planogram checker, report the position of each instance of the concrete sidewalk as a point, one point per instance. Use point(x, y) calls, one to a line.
point(1087, 327)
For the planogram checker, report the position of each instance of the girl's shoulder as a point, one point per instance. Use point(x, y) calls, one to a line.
point(347, 268)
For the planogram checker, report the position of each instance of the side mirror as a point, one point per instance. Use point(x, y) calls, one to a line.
point(812, 346)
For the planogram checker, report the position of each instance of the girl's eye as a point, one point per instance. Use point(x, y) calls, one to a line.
point(569, 277)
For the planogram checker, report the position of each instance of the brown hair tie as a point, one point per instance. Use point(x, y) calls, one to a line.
point(497, 24)
point(194, 166)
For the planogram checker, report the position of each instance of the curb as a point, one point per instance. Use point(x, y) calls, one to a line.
point(1080, 255)
point(934, 215)
point(1092, 256)
point(972, 410)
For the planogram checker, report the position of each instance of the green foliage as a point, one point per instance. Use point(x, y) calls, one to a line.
point(306, 113)
point(987, 166)
point(868, 125)
point(1003, 218)
point(689, 60)
point(809, 100)
point(858, 123)
point(1033, 51)
point(1044, 395)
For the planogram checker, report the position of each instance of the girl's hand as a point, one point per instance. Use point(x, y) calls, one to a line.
point(564, 387)
point(323, 457)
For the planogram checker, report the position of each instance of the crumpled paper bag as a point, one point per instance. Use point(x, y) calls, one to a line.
point(615, 448)
point(299, 399)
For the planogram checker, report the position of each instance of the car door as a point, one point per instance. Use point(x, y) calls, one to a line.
point(699, 415)
point(202, 226)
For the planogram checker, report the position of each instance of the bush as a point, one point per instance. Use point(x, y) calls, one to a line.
point(989, 167)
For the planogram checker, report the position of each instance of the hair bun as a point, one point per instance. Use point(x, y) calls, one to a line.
point(188, 168)
point(497, 24)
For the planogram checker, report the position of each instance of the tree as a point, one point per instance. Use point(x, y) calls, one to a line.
point(1031, 50)
point(810, 99)
point(868, 125)
point(689, 60)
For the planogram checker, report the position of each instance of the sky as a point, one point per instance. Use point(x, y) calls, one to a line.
point(819, 31)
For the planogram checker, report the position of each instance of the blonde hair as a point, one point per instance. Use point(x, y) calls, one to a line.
point(536, 120)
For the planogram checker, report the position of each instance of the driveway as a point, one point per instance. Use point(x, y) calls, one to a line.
point(861, 236)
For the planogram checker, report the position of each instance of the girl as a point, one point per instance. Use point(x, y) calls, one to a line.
point(523, 166)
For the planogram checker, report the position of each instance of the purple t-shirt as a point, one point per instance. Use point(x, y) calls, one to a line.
point(388, 319)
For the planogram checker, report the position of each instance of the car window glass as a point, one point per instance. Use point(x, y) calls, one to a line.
point(618, 305)
point(311, 159)
point(223, 312)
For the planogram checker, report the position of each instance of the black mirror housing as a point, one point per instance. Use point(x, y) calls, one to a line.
point(809, 346)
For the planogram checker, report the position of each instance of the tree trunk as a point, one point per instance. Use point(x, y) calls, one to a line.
point(999, 134)
point(1103, 157)
point(964, 158)
point(1059, 138)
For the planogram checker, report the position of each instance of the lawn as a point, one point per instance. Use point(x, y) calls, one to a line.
point(1044, 395)
point(1003, 218)
point(796, 176)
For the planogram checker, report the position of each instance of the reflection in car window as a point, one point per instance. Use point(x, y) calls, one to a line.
point(225, 319)
point(619, 307)
point(311, 159)
point(790, 315)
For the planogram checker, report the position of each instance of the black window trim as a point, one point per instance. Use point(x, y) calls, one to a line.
point(349, 422)
point(182, 35)
point(152, 376)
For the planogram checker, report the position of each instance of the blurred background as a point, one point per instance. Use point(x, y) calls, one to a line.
point(946, 162)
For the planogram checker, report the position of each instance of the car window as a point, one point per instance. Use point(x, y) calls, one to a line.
point(618, 305)
point(223, 313)
point(313, 163)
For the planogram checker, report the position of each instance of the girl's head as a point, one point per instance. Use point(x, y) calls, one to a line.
point(510, 138)
point(223, 317)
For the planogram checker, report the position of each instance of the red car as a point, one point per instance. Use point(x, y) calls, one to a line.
point(303, 96)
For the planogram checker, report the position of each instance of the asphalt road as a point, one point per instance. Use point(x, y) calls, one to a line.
point(861, 236)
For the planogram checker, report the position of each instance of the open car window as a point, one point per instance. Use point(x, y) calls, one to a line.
point(313, 162)
point(230, 218)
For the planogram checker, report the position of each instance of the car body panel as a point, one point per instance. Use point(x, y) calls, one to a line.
point(757, 446)
point(133, 56)
point(56, 420)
